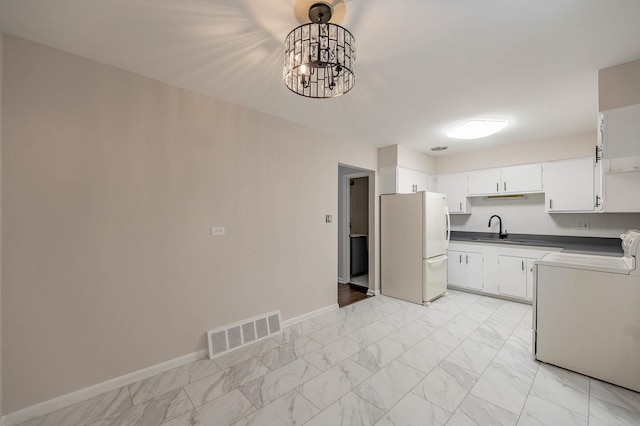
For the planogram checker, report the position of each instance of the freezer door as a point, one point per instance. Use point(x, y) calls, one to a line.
point(436, 226)
point(434, 278)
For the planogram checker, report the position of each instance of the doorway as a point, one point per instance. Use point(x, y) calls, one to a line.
point(354, 225)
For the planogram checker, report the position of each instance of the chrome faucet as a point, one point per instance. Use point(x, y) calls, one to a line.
point(502, 234)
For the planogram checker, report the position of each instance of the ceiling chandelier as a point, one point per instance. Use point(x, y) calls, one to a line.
point(319, 57)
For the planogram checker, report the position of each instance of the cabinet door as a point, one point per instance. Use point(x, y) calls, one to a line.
point(473, 271)
point(519, 179)
point(529, 266)
point(411, 180)
point(405, 180)
point(512, 276)
point(455, 268)
point(620, 132)
point(454, 185)
point(569, 185)
point(421, 180)
point(483, 182)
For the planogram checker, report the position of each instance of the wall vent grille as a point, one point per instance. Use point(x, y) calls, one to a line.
point(234, 336)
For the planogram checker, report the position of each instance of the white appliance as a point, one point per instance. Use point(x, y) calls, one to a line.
point(586, 313)
point(415, 232)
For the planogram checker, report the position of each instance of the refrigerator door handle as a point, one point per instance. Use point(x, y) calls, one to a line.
point(437, 259)
point(534, 320)
point(448, 236)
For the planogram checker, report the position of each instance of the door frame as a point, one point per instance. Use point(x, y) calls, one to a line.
point(344, 215)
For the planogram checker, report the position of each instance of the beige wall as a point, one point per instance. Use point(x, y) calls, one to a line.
point(388, 156)
point(111, 183)
point(619, 86)
point(582, 145)
point(404, 156)
point(416, 160)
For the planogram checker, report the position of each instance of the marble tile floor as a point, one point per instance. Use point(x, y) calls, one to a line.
point(463, 360)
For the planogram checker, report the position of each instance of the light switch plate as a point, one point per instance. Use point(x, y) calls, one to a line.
point(217, 231)
point(328, 218)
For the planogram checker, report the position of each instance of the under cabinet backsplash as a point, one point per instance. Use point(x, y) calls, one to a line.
point(528, 216)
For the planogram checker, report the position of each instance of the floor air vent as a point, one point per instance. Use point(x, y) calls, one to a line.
point(233, 336)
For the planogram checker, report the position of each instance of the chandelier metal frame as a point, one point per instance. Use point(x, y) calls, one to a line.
point(319, 57)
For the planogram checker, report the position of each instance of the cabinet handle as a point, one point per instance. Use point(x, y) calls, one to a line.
point(460, 258)
point(550, 204)
point(467, 259)
point(523, 266)
point(505, 186)
point(497, 186)
point(598, 198)
point(461, 206)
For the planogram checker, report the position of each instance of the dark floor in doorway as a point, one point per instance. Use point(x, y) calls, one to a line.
point(350, 293)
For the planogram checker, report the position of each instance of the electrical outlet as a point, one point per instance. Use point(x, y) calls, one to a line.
point(328, 218)
point(217, 231)
point(584, 225)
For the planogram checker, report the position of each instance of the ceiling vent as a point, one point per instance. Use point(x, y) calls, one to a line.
point(439, 148)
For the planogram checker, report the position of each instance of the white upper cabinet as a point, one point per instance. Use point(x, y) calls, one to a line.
point(483, 182)
point(410, 180)
point(569, 185)
point(621, 139)
point(519, 179)
point(619, 178)
point(454, 185)
point(402, 180)
point(506, 180)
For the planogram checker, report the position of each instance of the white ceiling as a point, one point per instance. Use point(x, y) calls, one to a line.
point(423, 66)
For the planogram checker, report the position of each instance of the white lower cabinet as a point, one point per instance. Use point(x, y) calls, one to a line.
point(494, 268)
point(464, 269)
point(512, 276)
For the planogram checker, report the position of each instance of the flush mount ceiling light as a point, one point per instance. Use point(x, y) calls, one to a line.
point(475, 129)
point(319, 56)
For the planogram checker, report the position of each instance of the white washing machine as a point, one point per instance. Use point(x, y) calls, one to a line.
point(586, 313)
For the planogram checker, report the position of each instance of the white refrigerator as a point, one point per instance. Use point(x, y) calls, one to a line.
point(415, 232)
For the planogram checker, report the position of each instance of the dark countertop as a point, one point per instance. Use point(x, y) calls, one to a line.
point(569, 244)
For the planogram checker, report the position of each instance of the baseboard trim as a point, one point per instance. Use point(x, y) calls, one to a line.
point(309, 315)
point(340, 280)
point(495, 296)
point(371, 292)
point(57, 403)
